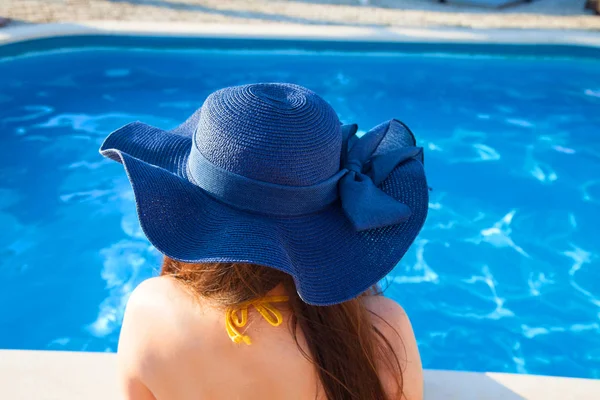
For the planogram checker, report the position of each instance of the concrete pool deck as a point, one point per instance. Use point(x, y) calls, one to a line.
point(539, 14)
point(49, 375)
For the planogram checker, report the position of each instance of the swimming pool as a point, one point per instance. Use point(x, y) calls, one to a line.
point(505, 276)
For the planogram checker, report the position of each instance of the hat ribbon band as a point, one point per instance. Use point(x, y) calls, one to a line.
point(365, 205)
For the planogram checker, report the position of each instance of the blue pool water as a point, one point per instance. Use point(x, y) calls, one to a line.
point(505, 275)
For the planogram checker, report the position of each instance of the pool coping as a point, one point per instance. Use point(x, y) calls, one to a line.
point(58, 375)
point(286, 31)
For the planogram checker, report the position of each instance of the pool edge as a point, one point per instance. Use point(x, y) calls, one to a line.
point(21, 33)
point(45, 375)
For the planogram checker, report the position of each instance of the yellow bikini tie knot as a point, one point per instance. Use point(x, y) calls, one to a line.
point(263, 305)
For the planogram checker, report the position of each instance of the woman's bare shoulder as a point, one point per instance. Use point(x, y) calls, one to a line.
point(386, 309)
point(155, 305)
point(163, 296)
point(393, 322)
point(158, 288)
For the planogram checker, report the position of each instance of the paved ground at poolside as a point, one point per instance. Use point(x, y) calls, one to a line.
point(544, 14)
point(55, 375)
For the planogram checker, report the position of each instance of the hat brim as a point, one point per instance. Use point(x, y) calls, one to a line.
point(329, 260)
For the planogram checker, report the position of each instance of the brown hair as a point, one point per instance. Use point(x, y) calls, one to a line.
point(343, 344)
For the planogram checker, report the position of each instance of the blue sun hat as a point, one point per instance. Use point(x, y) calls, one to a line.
point(267, 174)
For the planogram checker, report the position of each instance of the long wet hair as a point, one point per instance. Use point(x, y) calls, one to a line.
point(343, 344)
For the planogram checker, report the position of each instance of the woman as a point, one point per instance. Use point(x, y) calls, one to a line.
point(276, 222)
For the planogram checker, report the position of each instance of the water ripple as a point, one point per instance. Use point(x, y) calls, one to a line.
point(499, 235)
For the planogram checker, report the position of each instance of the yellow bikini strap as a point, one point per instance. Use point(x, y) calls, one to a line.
point(263, 305)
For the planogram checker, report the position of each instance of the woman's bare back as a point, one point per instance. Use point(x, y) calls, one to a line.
point(173, 347)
